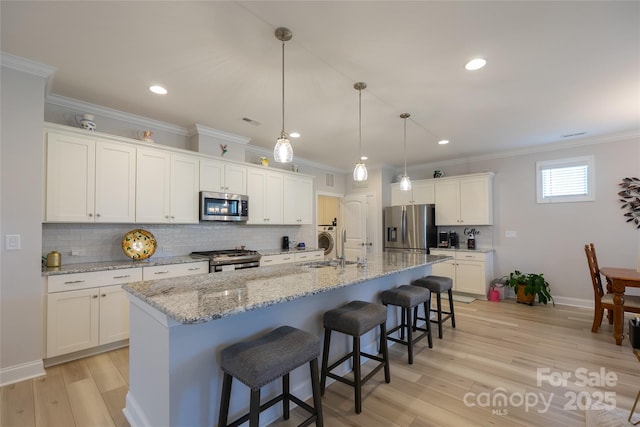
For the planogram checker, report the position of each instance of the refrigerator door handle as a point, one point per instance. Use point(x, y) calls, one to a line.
point(403, 226)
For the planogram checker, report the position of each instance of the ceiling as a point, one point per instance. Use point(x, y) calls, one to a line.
point(553, 69)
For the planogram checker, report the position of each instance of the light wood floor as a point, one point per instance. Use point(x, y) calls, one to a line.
point(495, 349)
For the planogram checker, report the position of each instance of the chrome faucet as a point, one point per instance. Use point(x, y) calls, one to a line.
point(343, 239)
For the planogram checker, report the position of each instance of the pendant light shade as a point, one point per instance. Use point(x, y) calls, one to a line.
point(405, 181)
point(283, 151)
point(360, 171)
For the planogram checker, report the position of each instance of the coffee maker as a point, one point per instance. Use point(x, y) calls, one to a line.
point(443, 239)
point(285, 243)
point(453, 239)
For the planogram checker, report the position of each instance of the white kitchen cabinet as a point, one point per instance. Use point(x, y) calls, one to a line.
point(265, 190)
point(89, 180)
point(87, 310)
point(422, 192)
point(289, 257)
point(298, 200)
point(223, 177)
point(471, 272)
point(167, 187)
point(175, 270)
point(465, 200)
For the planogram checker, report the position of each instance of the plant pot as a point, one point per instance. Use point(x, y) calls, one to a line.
point(524, 299)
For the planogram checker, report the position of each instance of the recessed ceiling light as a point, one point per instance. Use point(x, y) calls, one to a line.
point(443, 141)
point(475, 64)
point(158, 89)
point(294, 135)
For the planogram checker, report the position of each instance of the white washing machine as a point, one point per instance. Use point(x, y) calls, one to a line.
point(327, 240)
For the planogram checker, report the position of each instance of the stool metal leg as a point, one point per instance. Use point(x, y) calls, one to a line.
point(226, 397)
point(439, 305)
point(633, 409)
point(325, 360)
point(426, 310)
point(453, 316)
point(254, 409)
point(315, 387)
point(357, 374)
point(409, 326)
point(385, 353)
point(285, 396)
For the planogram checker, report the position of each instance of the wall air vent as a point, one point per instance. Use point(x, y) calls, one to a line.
point(251, 121)
point(329, 180)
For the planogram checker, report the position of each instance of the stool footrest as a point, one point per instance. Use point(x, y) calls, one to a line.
point(272, 402)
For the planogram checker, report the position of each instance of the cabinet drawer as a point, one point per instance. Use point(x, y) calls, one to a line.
point(441, 252)
point(470, 256)
point(276, 259)
point(174, 270)
point(94, 279)
point(309, 256)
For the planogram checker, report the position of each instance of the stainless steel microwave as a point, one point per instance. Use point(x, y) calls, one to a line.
point(223, 206)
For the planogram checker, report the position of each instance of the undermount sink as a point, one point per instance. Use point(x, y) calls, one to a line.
point(327, 263)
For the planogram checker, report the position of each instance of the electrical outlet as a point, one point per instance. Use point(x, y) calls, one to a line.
point(12, 242)
point(509, 234)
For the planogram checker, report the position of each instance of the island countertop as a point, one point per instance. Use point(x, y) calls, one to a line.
point(206, 297)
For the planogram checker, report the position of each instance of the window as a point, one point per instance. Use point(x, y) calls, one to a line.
point(565, 180)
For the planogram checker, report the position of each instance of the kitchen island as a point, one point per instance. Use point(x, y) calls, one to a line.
point(179, 326)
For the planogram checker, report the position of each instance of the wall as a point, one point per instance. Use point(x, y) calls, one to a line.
point(551, 237)
point(21, 290)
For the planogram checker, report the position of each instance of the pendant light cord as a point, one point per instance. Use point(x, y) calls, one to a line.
point(360, 125)
point(405, 146)
point(282, 133)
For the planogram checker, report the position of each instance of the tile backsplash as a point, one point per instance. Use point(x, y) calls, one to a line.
point(484, 240)
point(102, 242)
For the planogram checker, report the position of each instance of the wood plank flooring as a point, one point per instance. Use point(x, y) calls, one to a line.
point(494, 352)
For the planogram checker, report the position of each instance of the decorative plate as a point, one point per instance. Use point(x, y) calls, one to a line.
point(139, 244)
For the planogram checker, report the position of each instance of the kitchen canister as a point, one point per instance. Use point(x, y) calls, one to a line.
point(54, 259)
point(86, 121)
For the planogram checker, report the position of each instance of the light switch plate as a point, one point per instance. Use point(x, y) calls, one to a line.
point(12, 242)
point(511, 234)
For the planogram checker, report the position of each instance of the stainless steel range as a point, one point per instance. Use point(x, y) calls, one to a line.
point(229, 259)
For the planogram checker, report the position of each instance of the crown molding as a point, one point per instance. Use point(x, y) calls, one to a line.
point(86, 107)
point(225, 136)
point(28, 66)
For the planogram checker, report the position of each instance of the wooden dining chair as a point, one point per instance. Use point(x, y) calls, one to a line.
point(604, 300)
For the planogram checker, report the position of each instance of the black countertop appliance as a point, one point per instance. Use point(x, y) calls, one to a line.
point(285, 243)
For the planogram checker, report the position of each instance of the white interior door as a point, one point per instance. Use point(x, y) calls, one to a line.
point(353, 225)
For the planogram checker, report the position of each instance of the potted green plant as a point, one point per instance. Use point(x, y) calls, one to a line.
point(528, 286)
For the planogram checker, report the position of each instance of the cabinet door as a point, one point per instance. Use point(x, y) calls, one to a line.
point(470, 277)
point(476, 207)
point(235, 178)
point(298, 200)
point(70, 179)
point(256, 180)
point(447, 199)
point(114, 314)
point(115, 198)
point(274, 187)
point(399, 197)
point(153, 168)
point(72, 321)
point(445, 269)
point(423, 192)
point(185, 178)
point(211, 175)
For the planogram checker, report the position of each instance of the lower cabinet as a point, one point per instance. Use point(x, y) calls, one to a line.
point(174, 270)
point(471, 272)
point(287, 258)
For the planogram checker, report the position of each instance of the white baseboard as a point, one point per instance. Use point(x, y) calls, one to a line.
point(24, 371)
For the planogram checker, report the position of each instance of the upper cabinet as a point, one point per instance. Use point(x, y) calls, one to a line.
point(464, 200)
point(223, 177)
point(265, 189)
point(298, 200)
point(89, 180)
point(422, 192)
point(167, 187)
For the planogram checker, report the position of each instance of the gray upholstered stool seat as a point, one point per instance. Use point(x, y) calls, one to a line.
point(437, 285)
point(258, 362)
point(355, 319)
point(407, 297)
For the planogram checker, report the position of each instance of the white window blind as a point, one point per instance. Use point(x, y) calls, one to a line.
point(565, 180)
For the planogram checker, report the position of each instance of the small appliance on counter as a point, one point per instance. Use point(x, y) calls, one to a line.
point(443, 239)
point(453, 239)
point(285, 243)
point(54, 259)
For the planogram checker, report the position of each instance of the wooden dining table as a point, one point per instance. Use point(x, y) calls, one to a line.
point(620, 279)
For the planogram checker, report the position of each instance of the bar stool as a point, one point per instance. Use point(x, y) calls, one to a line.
point(263, 360)
point(437, 285)
point(408, 297)
point(355, 319)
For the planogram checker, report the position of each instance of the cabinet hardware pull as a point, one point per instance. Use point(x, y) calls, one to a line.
point(98, 215)
point(95, 296)
point(90, 215)
point(74, 281)
point(161, 272)
point(194, 269)
point(103, 295)
point(124, 276)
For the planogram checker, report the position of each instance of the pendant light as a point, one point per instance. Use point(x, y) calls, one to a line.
point(360, 171)
point(405, 181)
point(283, 151)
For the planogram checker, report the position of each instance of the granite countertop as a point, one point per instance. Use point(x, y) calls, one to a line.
point(205, 297)
point(117, 265)
point(267, 252)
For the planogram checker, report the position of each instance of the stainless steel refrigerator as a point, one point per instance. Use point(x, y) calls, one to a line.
point(410, 227)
